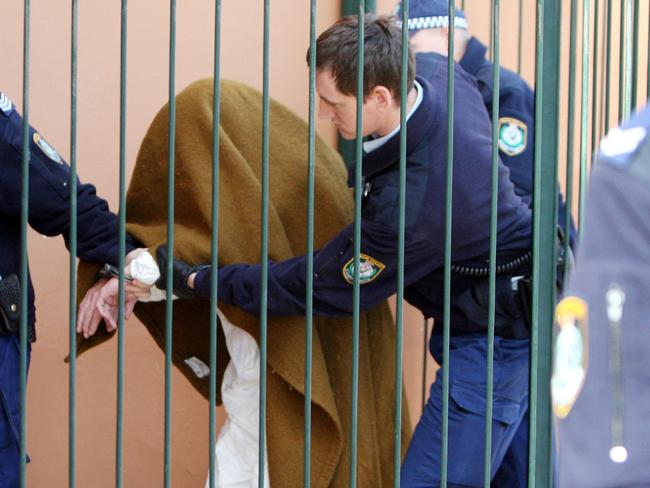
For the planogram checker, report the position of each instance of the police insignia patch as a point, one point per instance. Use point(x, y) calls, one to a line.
point(513, 136)
point(369, 269)
point(49, 151)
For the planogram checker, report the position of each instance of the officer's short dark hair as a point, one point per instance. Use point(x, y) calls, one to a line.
point(336, 50)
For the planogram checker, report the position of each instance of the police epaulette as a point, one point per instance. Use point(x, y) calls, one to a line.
point(5, 104)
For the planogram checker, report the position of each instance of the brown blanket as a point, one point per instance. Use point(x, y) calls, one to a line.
point(239, 241)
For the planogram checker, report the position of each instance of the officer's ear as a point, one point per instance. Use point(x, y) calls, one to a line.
point(383, 97)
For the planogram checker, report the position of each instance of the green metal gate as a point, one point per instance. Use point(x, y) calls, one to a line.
point(596, 115)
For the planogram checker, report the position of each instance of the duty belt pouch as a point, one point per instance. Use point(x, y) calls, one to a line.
point(9, 304)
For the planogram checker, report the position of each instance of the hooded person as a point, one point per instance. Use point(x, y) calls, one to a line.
point(240, 143)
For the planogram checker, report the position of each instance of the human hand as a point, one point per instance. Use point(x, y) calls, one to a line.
point(101, 302)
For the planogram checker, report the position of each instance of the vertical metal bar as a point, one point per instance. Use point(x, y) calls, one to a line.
point(72, 310)
point(570, 124)
point(594, 83)
point(356, 296)
point(444, 450)
point(623, 77)
point(608, 67)
point(635, 56)
point(399, 312)
point(491, 31)
point(265, 242)
point(309, 303)
point(584, 108)
point(122, 247)
point(170, 242)
point(351, 7)
point(214, 251)
point(487, 466)
point(626, 67)
point(24, 216)
point(520, 36)
point(544, 234)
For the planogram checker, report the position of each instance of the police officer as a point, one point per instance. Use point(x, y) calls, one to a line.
point(429, 33)
point(604, 436)
point(426, 164)
point(49, 210)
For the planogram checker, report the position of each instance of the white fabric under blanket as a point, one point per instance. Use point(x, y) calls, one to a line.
point(236, 449)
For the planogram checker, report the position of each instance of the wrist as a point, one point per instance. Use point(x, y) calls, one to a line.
point(190, 280)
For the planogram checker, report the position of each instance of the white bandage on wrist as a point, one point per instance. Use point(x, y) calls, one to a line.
point(144, 268)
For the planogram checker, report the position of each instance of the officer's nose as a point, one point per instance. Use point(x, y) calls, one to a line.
point(324, 111)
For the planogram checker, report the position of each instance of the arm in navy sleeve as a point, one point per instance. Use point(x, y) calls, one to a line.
point(240, 285)
point(49, 196)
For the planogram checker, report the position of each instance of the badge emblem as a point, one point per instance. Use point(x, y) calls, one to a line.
point(513, 136)
point(49, 151)
point(570, 356)
point(369, 269)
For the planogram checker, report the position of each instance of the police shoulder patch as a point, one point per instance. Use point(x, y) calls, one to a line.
point(49, 151)
point(513, 136)
point(5, 104)
point(369, 269)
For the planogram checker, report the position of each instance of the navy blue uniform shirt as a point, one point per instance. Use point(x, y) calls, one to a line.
point(239, 284)
point(614, 252)
point(516, 117)
point(49, 201)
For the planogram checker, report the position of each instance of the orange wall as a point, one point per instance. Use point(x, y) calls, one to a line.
point(98, 123)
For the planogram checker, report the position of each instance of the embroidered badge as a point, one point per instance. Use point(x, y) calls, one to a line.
point(513, 136)
point(570, 356)
point(369, 269)
point(5, 104)
point(49, 151)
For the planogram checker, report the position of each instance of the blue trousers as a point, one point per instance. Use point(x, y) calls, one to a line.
point(467, 401)
point(10, 411)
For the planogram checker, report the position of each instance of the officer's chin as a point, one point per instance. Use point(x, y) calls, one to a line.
point(347, 136)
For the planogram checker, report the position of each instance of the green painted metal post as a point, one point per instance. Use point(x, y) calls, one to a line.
point(214, 245)
point(264, 292)
point(594, 83)
point(635, 56)
point(356, 290)
point(496, 78)
point(72, 296)
point(584, 109)
point(570, 123)
point(170, 243)
point(351, 7)
point(399, 312)
point(520, 37)
point(544, 225)
point(122, 247)
point(24, 216)
point(626, 61)
point(608, 67)
point(449, 179)
point(309, 279)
